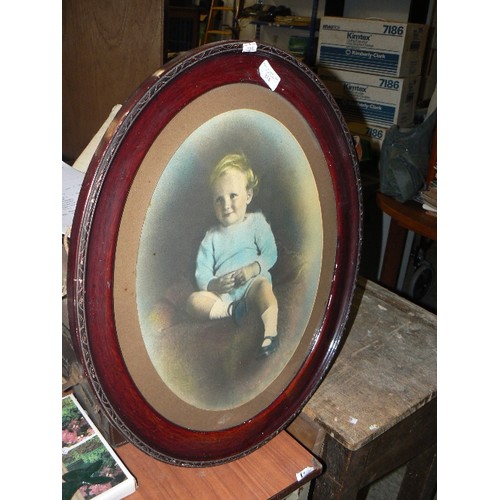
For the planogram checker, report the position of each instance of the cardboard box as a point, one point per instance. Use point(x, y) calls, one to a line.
point(372, 46)
point(374, 99)
point(372, 134)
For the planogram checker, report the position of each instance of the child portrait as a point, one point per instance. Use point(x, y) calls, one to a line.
point(236, 255)
point(214, 253)
point(229, 260)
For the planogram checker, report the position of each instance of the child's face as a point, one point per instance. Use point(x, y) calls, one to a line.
point(230, 197)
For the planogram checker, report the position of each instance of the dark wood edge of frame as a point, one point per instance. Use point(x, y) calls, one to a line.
point(92, 250)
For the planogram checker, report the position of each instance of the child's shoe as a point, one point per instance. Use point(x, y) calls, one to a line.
point(267, 350)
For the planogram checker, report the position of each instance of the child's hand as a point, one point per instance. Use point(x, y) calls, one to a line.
point(222, 284)
point(246, 273)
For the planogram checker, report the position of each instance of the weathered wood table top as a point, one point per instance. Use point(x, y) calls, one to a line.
point(385, 371)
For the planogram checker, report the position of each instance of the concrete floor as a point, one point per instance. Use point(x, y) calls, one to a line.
point(387, 488)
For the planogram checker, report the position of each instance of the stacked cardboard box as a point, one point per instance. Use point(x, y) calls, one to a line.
point(372, 68)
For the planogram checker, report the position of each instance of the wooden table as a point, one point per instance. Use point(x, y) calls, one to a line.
point(374, 412)
point(376, 409)
point(269, 472)
point(408, 216)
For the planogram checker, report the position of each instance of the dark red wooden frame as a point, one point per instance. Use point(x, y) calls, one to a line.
point(95, 231)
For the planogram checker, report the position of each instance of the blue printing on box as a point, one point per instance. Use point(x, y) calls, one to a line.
point(352, 59)
point(367, 112)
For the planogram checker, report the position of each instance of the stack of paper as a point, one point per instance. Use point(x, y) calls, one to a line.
point(72, 180)
point(429, 199)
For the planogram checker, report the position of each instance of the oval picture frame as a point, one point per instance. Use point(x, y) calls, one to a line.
point(194, 391)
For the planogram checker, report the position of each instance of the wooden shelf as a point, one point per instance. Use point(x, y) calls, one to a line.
point(310, 28)
point(269, 472)
point(303, 27)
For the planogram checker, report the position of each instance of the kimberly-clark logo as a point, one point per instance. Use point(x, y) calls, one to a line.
point(364, 54)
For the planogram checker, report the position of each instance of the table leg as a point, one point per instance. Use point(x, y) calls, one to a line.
point(343, 474)
point(420, 479)
point(393, 254)
point(348, 474)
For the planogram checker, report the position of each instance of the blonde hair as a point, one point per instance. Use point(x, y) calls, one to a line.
point(238, 162)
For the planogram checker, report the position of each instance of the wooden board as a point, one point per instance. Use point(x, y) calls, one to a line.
point(385, 371)
point(108, 49)
point(269, 472)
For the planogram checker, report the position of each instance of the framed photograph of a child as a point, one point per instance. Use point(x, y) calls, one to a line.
point(214, 253)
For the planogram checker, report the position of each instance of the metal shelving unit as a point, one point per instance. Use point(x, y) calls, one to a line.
point(311, 29)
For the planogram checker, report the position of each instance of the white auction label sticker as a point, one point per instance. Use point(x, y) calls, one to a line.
point(249, 47)
point(303, 473)
point(268, 74)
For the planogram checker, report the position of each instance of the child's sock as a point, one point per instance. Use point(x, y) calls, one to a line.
point(219, 310)
point(270, 320)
